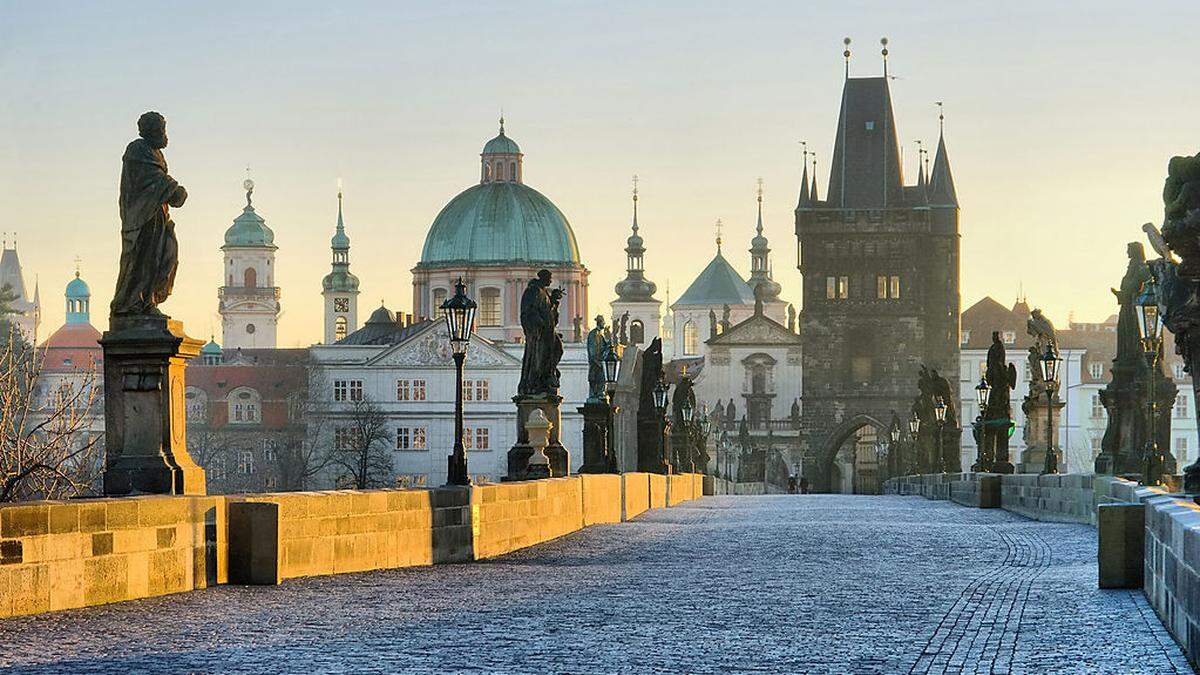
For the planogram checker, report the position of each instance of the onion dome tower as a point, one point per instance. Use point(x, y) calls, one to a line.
point(635, 293)
point(497, 235)
point(75, 345)
point(249, 301)
point(339, 288)
point(760, 261)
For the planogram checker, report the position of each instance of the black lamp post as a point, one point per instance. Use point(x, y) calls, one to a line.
point(612, 372)
point(1049, 363)
point(660, 405)
point(984, 457)
point(688, 410)
point(460, 323)
point(1150, 332)
point(939, 413)
point(914, 430)
point(705, 427)
point(894, 450)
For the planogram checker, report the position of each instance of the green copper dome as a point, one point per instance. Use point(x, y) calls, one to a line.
point(501, 145)
point(497, 223)
point(78, 289)
point(249, 229)
point(211, 349)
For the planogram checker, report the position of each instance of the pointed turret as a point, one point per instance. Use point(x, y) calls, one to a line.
point(941, 182)
point(760, 262)
point(635, 287)
point(812, 193)
point(866, 157)
point(804, 182)
point(340, 286)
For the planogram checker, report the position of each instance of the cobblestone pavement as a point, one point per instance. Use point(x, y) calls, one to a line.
point(813, 584)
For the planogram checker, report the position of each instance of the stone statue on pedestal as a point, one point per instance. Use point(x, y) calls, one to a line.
point(538, 387)
point(996, 416)
point(653, 445)
point(1042, 405)
point(712, 324)
point(726, 324)
point(145, 353)
point(599, 344)
point(684, 457)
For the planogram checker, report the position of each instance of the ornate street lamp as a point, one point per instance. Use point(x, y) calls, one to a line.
point(894, 451)
point(914, 430)
point(660, 405)
point(611, 361)
point(939, 413)
point(1049, 363)
point(612, 366)
point(660, 397)
point(459, 311)
point(1150, 332)
point(983, 392)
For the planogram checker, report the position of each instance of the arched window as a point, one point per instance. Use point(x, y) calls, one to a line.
point(487, 171)
point(489, 307)
point(196, 405)
point(637, 332)
point(251, 277)
point(245, 406)
point(512, 170)
point(439, 296)
point(499, 170)
point(691, 339)
point(339, 328)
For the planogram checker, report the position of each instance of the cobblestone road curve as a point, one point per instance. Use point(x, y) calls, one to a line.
point(804, 584)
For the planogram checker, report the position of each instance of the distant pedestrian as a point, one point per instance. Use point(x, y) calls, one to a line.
point(804, 485)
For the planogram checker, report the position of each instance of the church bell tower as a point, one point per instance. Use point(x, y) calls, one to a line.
point(248, 302)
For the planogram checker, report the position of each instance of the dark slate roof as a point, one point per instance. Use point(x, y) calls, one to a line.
point(382, 329)
point(941, 188)
point(866, 156)
point(718, 284)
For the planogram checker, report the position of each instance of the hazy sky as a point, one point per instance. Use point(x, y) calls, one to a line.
point(1060, 120)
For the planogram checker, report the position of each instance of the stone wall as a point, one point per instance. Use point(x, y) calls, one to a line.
point(636, 494)
point(61, 555)
point(342, 531)
point(1171, 566)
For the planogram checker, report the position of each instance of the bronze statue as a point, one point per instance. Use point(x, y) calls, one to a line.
point(149, 249)
point(543, 344)
point(1137, 273)
point(1181, 213)
point(1042, 331)
point(599, 345)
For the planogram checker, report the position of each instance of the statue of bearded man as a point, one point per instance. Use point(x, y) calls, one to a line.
point(149, 250)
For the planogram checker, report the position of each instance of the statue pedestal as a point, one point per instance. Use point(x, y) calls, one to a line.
point(653, 446)
point(518, 456)
point(144, 414)
point(598, 456)
point(1033, 459)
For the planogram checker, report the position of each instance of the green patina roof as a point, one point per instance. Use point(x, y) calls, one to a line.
point(211, 349)
point(77, 289)
point(249, 229)
point(340, 279)
point(501, 145)
point(718, 284)
point(500, 222)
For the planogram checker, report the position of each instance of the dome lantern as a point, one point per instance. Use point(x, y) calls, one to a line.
point(500, 160)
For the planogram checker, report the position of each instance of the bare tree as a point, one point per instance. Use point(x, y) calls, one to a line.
point(360, 445)
point(306, 453)
point(47, 450)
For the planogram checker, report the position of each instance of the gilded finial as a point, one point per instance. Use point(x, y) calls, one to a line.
point(883, 41)
point(248, 185)
point(78, 260)
point(804, 145)
point(635, 200)
point(846, 55)
point(941, 116)
point(760, 190)
point(719, 225)
point(502, 121)
point(339, 184)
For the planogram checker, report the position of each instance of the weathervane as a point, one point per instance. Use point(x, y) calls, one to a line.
point(941, 116)
point(718, 235)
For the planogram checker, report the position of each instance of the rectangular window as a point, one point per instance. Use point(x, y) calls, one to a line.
point(403, 439)
point(1181, 449)
point(1097, 407)
point(468, 390)
point(467, 438)
point(237, 412)
point(410, 480)
point(964, 337)
point(482, 439)
point(418, 390)
point(418, 438)
point(843, 288)
point(1096, 370)
point(347, 390)
point(246, 462)
point(1177, 370)
point(272, 483)
point(481, 390)
point(894, 287)
point(403, 390)
point(881, 287)
point(356, 390)
point(1181, 406)
point(343, 439)
point(1009, 337)
point(830, 288)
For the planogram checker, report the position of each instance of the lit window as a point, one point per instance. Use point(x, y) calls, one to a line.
point(830, 288)
point(843, 288)
point(418, 390)
point(894, 286)
point(1009, 337)
point(340, 328)
point(418, 438)
point(489, 307)
point(881, 287)
point(870, 125)
point(245, 462)
point(1096, 370)
point(403, 391)
point(691, 339)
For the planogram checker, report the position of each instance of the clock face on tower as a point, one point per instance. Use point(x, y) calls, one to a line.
point(341, 304)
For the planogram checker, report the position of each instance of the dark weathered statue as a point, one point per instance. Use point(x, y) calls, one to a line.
point(712, 324)
point(624, 333)
point(1181, 213)
point(653, 430)
point(726, 324)
point(149, 250)
point(791, 318)
point(730, 411)
point(1137, 273)
point(1042, 331)
point(543, 344)
point(577, 323)
point(599, 344)
point(991, 432)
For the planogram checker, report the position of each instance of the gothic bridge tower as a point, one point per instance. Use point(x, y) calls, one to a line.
point(880, 267)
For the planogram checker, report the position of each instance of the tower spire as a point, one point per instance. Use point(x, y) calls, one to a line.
point(759, 227)
point(635, 200)
point(812, 193)
point(719, 236)
point(804, 175)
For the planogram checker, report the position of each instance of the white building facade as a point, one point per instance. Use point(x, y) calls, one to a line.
point(248, 302)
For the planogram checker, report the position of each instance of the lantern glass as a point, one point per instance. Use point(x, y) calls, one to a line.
point(612, 366)
point(895, 433)
point(1049, 363)
point(1149, 319)
point(914, 425)
point(982, 391)
point(660, 396)
point(705, 421)
point(459, 312)
point(939, 409)
point(688, 409)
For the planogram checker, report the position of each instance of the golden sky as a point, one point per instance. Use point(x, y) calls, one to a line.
point(1060, 120)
